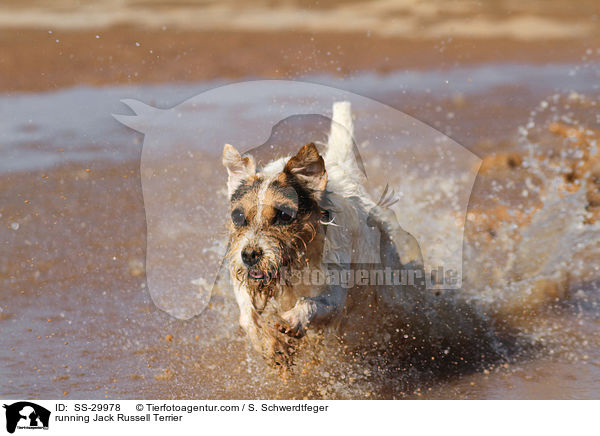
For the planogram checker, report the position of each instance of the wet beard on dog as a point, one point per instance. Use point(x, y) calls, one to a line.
point(297, 247)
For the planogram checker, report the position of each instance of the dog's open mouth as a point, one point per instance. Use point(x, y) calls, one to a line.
point(256, 274)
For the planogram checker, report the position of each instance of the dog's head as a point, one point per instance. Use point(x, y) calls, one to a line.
point(275, 214)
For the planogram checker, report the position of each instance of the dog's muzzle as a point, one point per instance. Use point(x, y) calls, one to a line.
point(251, 256)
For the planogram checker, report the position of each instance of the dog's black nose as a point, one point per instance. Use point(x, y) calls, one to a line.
point(251, 256)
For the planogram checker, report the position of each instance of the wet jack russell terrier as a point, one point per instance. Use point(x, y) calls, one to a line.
point(309, 212)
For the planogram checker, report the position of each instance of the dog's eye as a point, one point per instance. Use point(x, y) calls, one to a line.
point(238, 218)
point(284, 217)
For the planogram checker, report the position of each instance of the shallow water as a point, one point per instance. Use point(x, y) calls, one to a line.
point(78, 321)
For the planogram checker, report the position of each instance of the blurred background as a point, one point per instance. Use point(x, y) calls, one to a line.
point(53, 44)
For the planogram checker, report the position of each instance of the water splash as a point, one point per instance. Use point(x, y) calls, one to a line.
point(544, 228)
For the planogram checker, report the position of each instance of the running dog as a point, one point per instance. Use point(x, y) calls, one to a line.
point(311, 213)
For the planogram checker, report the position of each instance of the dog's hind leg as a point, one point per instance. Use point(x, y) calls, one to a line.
point(398, 248)
point(400, 252)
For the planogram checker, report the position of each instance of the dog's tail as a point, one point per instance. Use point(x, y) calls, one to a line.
point(340, 154)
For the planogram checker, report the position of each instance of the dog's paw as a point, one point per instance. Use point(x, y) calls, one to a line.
point(279, 346)
point(296, 320)
point(292, 325)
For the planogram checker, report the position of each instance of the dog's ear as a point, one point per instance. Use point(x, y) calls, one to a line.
point(238, 167)
point(309, 167)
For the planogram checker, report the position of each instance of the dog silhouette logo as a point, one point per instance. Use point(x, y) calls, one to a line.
point(26, 415)
point(184, 182)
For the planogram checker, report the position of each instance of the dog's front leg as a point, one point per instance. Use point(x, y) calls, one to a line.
point(249, 319)
point(314, 311)
point(265, 332)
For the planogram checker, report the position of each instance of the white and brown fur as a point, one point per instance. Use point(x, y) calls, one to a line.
point(310, 211)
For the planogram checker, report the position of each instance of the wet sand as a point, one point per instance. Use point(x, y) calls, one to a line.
point(78, 321)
